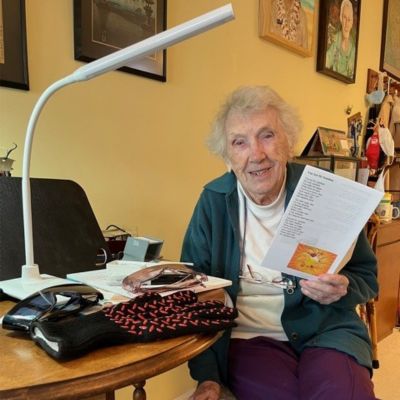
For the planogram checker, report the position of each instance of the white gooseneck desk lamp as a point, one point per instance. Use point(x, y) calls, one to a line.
point(31, 280)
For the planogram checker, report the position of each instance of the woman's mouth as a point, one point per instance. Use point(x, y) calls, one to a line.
point(259, 172)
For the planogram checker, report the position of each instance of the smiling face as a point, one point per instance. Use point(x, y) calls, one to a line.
point(257, 150)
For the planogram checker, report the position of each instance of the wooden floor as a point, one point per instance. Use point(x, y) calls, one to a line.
point(387, 377)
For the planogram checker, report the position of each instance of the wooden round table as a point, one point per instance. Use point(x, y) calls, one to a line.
point(28, 373)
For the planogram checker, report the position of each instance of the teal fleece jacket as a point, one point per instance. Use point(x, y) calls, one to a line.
point(212, 244)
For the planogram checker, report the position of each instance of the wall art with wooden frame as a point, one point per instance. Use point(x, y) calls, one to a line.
point(338, 32)
point(13, 46)
point(102, 27)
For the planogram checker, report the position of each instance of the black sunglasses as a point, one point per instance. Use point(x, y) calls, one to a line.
point(52, 303)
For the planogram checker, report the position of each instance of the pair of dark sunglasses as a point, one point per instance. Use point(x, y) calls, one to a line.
point(52, 303)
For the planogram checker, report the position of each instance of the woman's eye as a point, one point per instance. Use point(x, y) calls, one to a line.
point(237, 142)
point(267, 135)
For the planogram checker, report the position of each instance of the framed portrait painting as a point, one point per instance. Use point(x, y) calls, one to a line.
point(102, 27)
point(390, 47)
point(288, 23)
point(338, 31)
point(13, 52)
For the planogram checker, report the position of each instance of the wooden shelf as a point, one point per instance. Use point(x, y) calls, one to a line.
point(388, 254)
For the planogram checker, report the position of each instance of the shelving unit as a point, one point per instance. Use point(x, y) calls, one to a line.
point(388, 255)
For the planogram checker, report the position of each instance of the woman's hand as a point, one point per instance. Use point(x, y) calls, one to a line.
point(207, 390)
point(326, 289)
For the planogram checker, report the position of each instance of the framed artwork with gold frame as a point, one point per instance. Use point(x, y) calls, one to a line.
point(290, 24)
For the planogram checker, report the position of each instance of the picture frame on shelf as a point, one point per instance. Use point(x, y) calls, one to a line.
point(390, 44)
point(13, 45)
point(102, 27)
point(354, 131)
point(327, 142)
point(338, 28)
point(291, 28)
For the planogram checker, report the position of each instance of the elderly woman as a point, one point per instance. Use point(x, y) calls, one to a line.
point(295, 339)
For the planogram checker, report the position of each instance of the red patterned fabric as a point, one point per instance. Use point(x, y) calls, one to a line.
point(155, 317)
point(146, 318)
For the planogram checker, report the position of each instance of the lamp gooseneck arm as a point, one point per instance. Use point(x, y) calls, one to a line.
point(31, 279)
point(30, 269)
point(108, 63)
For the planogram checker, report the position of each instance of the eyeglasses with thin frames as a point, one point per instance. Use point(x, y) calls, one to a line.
point(254, 277)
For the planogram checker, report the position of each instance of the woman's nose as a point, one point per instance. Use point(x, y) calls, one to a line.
point(257, 152)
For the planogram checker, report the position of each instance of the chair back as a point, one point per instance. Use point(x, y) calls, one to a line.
point(66, 235)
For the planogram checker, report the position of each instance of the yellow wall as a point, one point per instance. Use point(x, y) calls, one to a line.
point(137, 145)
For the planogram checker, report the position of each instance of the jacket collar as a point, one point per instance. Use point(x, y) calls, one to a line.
point(224, 184)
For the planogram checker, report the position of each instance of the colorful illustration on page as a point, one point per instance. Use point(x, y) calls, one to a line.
point(311, 260)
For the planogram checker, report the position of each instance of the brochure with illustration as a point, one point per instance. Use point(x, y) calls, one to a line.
point(321, 223)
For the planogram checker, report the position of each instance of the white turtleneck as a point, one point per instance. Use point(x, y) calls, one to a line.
point(260, 306)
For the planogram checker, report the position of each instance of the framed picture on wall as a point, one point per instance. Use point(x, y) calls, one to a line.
point(102, 27)
point(290, 24)
point(338, 31)
point(13, 53)
point(390, 47)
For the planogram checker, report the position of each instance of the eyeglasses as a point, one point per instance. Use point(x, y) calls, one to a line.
point(52, 303)
point(163, 278)
point(254, 277)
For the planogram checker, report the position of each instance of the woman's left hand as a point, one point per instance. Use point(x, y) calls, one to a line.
point(326, 289)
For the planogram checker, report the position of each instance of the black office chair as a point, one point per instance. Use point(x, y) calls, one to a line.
point(66, 235)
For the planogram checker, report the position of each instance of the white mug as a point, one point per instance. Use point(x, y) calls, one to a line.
point(395, 212)
point(385, 209)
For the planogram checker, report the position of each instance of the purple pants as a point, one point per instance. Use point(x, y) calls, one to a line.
point(263, 369)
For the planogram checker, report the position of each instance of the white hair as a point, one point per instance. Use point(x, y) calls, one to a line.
point(345, 3)
point(248, 99)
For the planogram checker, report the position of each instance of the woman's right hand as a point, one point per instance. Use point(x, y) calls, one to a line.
point(207, 390)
